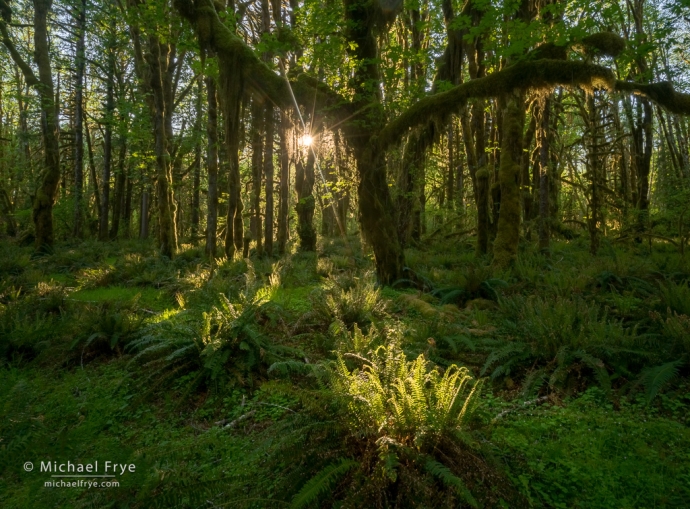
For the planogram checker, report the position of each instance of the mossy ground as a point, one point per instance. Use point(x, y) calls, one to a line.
point(574, 444)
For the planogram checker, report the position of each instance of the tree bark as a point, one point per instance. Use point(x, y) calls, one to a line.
point(232, 90)
point(196, 177)
point(304, 185)
point(118, 198)
point(212, 165)
point(167, 235)
point(258, 118)
point(46, 194)
point(268, 175)
point(544, 219)
point(107, 144)
point(284, 190)
point(79, 64)
point(508, 232)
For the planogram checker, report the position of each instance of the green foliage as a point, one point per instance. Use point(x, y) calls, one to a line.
point(322, 483)
point(349, 300)
point(442, 472)
point(676, 297)
point(226, 342)
point(403, 403)
point(654, 378)
point(382, 430)
point(561, 337)
point(586, 454)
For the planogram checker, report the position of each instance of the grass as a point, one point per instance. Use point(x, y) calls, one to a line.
point(598, 347)
point(150, 298)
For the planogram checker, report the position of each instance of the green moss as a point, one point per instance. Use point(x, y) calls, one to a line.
point(294, 299)
point(662, 93)
point(149, 297)
point(606, 43)
point(508, 233)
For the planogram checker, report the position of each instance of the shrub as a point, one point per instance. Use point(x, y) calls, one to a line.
point(562, 337)
point(382, 431)
point(226, 340)
point(349, 300)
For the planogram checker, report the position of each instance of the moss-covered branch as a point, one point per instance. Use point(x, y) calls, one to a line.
point(661, 93)
point(535, 74)
point(213, 33)
point(258, 76)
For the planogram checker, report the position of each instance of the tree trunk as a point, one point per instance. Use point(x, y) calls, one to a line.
point(508, 232)
point(594, 177)
point(450, 180)
point(377, 221)
point(79, 65)
point(544, 220)
point(47, 192)
point(144, 215)
point(107, 145)
point(127, 212)
point(304, 185)
point(92, 172)
point(232, 87)
point(167, 235)
point(258, 117)
point(196, 177)
point(212, 165)
point(284, 190)
point(268, 174)
point(118, 197)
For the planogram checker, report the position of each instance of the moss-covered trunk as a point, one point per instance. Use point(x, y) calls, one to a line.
point(408, 190)
point(508, 232)
point(212, 166)
point(120, 189)
point(46, 193)
point(473, 138)
point(364, 19)
point(284, 189)
point(79, 65)
point(107, 144)
point(304, 185)
point(544, 173)
point(257, 137)
point(268, 176)
point(376, 216)
point(232, 90)
point(167, 234)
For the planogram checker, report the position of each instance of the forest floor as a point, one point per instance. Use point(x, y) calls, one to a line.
point(188, 371)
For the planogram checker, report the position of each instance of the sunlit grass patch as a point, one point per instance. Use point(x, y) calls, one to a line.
point(151, 298)
point(294, 299)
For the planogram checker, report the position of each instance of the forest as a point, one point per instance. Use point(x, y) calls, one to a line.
point(344, 253)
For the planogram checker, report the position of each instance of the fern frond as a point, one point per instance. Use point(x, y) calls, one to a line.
point(653, 379)
point(443, 473)
point(319, 485)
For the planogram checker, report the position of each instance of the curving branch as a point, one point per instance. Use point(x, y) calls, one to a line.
point(661, 93)
point(533, 75)
point(258, 76)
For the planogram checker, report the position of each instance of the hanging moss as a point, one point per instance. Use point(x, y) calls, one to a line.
point(526, 75)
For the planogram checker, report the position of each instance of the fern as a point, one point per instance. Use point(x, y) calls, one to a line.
point(653, 379)
point(322, 483)
point(443, 473)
